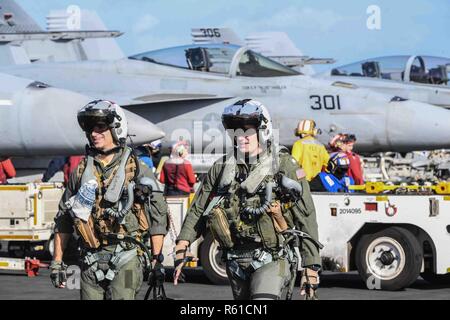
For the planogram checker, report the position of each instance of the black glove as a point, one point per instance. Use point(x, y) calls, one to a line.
point(179, 264)
point(58, 274)
point(157, 275)
point(180, 261)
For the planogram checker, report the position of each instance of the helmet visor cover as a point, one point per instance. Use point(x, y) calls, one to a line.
point(248, 114)
point(243, 114)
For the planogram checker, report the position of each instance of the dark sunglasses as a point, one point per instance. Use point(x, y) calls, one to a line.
point(98, 127)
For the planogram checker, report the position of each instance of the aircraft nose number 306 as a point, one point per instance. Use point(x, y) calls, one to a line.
point(211, 33)
point(327, 102)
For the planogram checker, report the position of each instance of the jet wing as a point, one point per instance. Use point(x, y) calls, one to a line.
point(62, 36)
point(100, 46)
point(166, 97)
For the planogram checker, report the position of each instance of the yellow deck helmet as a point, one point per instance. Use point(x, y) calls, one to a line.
point(306, 126)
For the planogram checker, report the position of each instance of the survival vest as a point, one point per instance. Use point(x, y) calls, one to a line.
point(135, 223)
point(248, 194)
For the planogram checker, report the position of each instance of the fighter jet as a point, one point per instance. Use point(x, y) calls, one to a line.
point(176, 88)
point(37, 119)
point(274, 45)
point(184, 89)
point(420, 78)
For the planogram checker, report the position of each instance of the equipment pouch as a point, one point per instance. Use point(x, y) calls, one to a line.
point(141, 215)
point(220, 228)
point(131, 222)
point(86, 231)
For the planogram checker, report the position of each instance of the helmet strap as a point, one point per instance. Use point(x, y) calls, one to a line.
point(114, 135)
point(131, 142)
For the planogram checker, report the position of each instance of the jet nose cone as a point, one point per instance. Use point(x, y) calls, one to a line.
point(141, 130)
point(43, 121)
point(418, 126)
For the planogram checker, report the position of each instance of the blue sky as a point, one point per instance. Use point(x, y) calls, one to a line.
point(319, 28)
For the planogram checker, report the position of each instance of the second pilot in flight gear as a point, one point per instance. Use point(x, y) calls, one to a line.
point(245, 202)
point(105, 202)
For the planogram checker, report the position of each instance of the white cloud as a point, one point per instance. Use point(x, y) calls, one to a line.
point(144, 23)
point(323, 20)
point(291, 17)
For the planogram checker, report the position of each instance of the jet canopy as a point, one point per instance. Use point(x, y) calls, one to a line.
point(223, 59)
point(418, 69)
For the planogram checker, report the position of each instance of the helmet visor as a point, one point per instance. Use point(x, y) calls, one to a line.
point(89, 119)
point(240, 122)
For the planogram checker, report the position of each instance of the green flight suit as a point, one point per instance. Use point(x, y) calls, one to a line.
point(268, 281)
point(128, 279)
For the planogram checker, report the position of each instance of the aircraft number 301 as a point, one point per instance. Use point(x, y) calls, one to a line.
point(327, 102)
point(211, 33)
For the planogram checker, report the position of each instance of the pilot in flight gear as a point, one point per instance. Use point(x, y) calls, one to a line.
point(106, 204)
point(243, 203)
point(310, 154)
